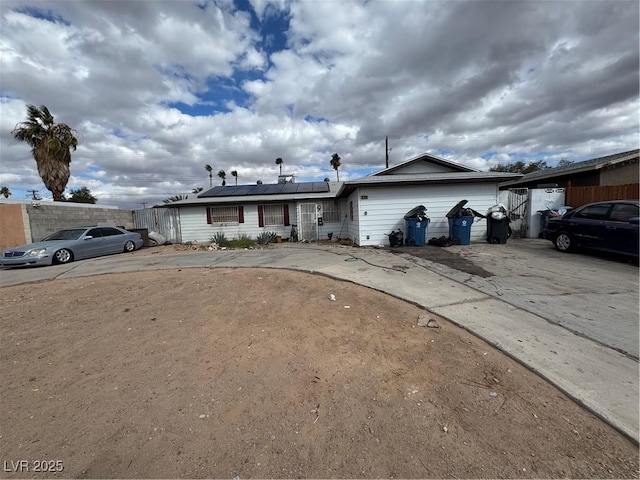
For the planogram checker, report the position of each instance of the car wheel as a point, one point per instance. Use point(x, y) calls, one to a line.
point(62, 256)
point(563, 242)
point(129, 246)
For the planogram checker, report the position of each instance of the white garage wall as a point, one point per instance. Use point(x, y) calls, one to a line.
point(384, 208)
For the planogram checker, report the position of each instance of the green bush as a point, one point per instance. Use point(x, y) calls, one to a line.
point(243, 241)
point(220, 238)
point(265, 238)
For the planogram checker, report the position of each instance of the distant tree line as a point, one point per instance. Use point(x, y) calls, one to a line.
point(525, 168)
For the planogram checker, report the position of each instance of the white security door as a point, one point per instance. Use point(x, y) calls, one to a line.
point(308, 228)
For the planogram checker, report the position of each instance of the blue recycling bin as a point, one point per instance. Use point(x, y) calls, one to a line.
point(460, 229)
point(416, 231)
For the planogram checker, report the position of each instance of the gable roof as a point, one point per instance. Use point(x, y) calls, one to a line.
point(578, 167)
point(425, 157)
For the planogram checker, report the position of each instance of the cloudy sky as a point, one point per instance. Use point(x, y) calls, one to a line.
point(158, 89)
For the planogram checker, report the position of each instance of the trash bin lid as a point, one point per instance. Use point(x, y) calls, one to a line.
point(456, 210)
point(415, 212)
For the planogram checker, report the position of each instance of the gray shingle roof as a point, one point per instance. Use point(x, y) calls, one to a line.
point(585, 166)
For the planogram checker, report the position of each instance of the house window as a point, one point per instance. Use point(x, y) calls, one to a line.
point(225, 214)
point(273, 215)
point(330, 212)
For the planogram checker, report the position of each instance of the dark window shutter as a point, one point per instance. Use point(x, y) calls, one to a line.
point(260, 216)
point(240, 214)
point(208, 215)
point(285, 214)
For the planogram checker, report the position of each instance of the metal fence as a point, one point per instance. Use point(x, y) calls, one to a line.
point(517, 208)
point(165, 221)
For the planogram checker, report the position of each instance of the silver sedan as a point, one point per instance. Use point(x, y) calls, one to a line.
point(72, 244)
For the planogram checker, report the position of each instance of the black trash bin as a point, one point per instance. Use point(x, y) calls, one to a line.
point(498, 229)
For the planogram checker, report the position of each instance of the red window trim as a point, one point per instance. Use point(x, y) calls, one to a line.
point(260, 216)
point(240, 214)
point(285, 215)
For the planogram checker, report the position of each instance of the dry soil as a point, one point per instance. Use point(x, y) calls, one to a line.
point(252, 373)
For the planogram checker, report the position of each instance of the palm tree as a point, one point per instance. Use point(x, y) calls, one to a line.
point(51, 144)
point(335, 163)
point(197, 190)
point(234, 174)
point(222, 174)
point(175, 198)
point(5, 192)
point(279, 162)
point(209, 169)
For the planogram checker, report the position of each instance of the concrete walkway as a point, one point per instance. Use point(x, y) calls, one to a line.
point(596, 376)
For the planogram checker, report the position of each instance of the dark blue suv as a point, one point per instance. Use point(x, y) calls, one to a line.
point(608, 226)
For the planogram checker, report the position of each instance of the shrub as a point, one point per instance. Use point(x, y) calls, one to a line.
point(220, 238)
point(265, 238)
point(243, 241)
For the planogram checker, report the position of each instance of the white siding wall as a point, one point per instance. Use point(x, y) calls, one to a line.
point(337, 228)
point(195, 228)
point(385, 207)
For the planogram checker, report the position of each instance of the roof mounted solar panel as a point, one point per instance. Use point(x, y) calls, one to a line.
point(268, 189)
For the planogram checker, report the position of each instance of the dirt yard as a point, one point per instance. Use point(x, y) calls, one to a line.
point(258, 373)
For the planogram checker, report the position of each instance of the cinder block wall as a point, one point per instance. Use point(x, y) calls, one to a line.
point(48, 218)
point(12, 231)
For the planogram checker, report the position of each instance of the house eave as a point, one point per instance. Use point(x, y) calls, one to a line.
point(425, 179)
point(564, 172)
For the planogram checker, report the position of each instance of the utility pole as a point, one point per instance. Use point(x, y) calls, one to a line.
point(386, 152)
point(34, 195)
point(144, 204)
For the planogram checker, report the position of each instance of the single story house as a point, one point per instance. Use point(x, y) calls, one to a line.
point(253, 209)
point(365, 210)
point(616, 169)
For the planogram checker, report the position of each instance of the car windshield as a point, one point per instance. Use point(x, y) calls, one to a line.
point(73, 234)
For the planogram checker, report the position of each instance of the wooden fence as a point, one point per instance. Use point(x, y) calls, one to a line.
point(578, 196)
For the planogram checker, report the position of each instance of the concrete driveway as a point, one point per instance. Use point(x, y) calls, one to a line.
point(571, 318)
point(592, 295)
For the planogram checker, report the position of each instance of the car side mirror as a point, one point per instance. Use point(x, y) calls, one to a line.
point(88, 237)
point(634, 220)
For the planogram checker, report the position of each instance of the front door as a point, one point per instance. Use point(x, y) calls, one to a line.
point(308, 228)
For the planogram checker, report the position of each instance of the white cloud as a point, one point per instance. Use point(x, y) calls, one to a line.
point(158, 89)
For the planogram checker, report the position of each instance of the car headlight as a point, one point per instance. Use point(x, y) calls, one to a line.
point(36, 252)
